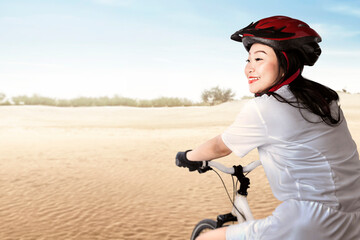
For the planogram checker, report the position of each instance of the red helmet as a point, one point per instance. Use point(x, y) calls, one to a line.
point(282, 33)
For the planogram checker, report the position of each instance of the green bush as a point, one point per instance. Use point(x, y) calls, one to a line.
point(212, 97)
point(216, 95)
point(100, 101)
point(2, 97)
point(3, 100)
point(34, 100)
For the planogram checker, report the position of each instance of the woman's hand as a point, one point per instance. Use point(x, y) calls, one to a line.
point(182, 161)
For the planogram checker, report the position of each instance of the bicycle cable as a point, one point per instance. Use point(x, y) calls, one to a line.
point(227, 192)
point(234, 187)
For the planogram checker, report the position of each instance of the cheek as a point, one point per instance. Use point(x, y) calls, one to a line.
point(273, 70)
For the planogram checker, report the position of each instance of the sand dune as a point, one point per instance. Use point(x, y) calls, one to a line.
point(109, 173)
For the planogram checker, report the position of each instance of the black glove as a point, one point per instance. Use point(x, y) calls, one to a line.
point(182, 161)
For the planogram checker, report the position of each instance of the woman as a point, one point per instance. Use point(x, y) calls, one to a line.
point(303, 141)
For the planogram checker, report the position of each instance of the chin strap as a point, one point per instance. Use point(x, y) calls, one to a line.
point(286, 82)
point(277, 86)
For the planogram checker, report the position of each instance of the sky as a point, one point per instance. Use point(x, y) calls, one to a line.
point(146, 49)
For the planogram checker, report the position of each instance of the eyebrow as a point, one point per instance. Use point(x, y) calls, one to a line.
point(261, 51)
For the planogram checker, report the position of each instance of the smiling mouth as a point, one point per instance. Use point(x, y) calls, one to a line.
point(253, 79)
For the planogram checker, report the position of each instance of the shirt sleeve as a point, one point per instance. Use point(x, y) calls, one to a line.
point(247, 132)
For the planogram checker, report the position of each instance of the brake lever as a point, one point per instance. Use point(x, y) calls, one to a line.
point(204, 170)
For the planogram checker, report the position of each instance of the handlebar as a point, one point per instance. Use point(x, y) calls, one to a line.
point(230, 170)
point(237, 171)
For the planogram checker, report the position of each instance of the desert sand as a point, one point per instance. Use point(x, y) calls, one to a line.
point(109, 172)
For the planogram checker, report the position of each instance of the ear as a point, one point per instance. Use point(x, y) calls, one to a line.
point(282, 73)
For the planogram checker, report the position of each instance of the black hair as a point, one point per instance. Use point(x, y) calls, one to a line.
point(309, 95)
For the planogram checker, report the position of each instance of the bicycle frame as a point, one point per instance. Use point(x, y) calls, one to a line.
point(241, 211)
point(241, 207)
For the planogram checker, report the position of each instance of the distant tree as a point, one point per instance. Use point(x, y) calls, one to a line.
point(216, 95)
point(2, 96)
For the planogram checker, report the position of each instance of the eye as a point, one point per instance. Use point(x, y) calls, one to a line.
point(247, 60)
point(258, 59)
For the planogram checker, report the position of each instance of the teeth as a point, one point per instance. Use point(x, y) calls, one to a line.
point(254, 78)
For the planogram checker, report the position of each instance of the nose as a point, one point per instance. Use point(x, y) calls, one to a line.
point(249, 68)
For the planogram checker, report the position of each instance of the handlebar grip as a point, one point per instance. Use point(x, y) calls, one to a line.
point(178, 163)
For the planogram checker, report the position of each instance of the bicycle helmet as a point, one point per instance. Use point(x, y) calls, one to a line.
point(282, 33)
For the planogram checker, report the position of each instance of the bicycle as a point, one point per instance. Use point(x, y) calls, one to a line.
point(241, 211)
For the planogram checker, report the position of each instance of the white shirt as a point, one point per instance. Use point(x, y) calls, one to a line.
point(302, 160)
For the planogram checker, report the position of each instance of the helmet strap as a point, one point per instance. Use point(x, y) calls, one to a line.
point(286, 82)
point(287, 61)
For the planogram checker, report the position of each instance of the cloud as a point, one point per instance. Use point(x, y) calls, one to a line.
point(12, 20)
point(334, 31)
point(343, 53)
point(120, 3)
point(345, 9)
point(31, 64)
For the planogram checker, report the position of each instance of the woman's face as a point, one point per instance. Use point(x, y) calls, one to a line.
point(262, 69)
